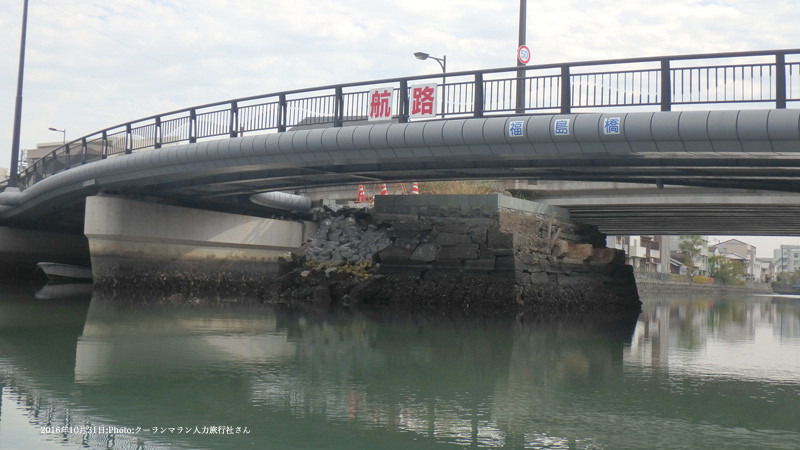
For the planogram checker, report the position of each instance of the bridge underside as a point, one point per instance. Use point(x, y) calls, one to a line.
point(743, 150)
point(621, 209)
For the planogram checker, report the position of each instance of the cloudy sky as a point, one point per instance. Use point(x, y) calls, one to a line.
point(91, 64)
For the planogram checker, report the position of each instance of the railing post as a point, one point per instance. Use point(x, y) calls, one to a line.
point(104, 150)
point(192, 126)
point(566, 90)
point(128, 139)
point(404, 106)
point(780, 80)
point(666, 83)
point(234, 120)
point(282, 112)
point(66, 155)
point(520, 100)
point(84, 150)
point(338, 107)
point(478, 100)
point(157, 137)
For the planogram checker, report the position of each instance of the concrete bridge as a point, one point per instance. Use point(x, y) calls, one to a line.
point(599, 121)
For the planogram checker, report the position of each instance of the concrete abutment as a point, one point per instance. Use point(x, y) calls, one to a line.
point(145, 245)
point(487, 255)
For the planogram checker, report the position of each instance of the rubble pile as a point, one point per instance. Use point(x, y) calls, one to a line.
point(342, 240)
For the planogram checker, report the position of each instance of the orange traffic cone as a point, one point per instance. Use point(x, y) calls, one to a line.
point(362, 196)
point(415, 189)
point(384, 191)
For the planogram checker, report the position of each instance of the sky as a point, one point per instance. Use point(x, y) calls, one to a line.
point(91, 64)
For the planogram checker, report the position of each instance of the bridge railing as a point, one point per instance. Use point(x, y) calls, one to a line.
point(769, 77)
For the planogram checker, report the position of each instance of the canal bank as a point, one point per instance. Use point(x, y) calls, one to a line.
point(654, 283)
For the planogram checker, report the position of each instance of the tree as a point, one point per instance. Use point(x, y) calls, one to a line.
point(725, 270)
point(691, 246)
point(789, 277)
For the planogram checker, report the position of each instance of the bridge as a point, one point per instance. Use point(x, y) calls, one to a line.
point(656, 121)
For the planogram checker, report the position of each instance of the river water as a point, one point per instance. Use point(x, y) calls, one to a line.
point(83, 370)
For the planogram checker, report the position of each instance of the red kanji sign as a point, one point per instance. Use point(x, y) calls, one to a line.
point(423, 100)
point(380, 103)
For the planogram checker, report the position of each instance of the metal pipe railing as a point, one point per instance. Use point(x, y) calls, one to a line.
point(556, 88)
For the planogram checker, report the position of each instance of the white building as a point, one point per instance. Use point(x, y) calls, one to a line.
point(786, 259)
point(641, 252)
point(764, 269)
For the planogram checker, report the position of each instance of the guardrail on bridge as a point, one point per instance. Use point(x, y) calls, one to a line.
point(657, 82)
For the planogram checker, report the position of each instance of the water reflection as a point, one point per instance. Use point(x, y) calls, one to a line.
point(749, 338)
point(703, 371)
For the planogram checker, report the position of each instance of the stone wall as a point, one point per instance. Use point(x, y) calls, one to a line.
point(475, 255)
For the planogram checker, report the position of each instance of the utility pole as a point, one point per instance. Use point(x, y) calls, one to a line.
point(523, 13)
point(13, 176)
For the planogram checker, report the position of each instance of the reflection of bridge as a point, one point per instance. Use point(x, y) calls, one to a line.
point(450, 382)
point(560, 136)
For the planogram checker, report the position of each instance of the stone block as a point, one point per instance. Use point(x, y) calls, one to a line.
point(507, 264)
point(451, 226)
point(493, 253)
point(413, 225)
point(445, 238)
point(426, 252)
point(407, 243)
point(560, 248)
point(528, 258)
point(571, 262)
point(448, 264)
point(394, 255)
point(497, 239)
point(603, 256)
point(402, 234)
point(483, 264)
point(459, 251)
point(432, 210)
point(392, 217)
point(478, 235)
point(540, 278)
point(580, 252)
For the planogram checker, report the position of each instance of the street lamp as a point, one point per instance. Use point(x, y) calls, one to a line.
point(13, 176)
point(422, 56)
point(63, 134)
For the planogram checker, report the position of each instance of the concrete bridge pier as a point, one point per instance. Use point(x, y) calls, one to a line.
point(139, 244)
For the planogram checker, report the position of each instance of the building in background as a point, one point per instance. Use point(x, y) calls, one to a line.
point(641, 252)
point(699, 261)
point(32, 154)
point(741, 252)
point(661, 254)
point(786, 259)
point(764, 269)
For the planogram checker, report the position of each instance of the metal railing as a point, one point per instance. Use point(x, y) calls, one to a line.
point(658, 82)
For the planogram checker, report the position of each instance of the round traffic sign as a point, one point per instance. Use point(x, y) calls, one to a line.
point(524, 54)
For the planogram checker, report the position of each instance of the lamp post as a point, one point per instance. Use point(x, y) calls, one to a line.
point(63, 134)
point(523, 15)
point(422, 56)
point(13, 176)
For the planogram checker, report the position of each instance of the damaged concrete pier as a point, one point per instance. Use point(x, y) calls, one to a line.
point(485, 255)
point(479, 254)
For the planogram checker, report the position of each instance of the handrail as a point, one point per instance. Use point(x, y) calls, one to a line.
point(557, 87)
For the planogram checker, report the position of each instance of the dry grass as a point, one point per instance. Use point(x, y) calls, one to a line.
point(458, 187)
